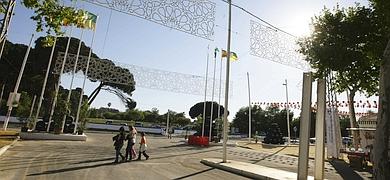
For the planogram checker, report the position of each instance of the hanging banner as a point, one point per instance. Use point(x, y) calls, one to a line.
point(333, 134)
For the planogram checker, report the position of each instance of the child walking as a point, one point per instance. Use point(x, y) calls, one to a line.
point(118, 144)
point(143, 146)
point(130, 143)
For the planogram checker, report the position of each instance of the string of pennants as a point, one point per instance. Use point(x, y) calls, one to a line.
point(297, 105)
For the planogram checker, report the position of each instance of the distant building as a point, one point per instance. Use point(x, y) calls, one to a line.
point(368, 121)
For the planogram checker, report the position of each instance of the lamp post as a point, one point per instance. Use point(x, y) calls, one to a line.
point(225, 114)
point(287, 112)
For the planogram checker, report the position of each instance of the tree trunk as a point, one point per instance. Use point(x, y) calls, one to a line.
point(95, 92)
point(381, 145)
point(352, 116)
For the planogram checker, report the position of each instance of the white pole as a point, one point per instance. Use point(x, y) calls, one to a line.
point(72, 79)
point(304, 130)
point(205, 90)
point(250, 110)
point(44, 84)
point(219, 94)
point(9, 14)
point(225, 114)
point(1, 95)
point(32, 107)
point(85, 78)
point(288, 117)
point(212, 96)
point(59, 78)
point(18, 83)
point(167, 129)
point(320, 130)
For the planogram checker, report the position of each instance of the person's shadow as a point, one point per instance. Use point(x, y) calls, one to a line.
point(79, 167)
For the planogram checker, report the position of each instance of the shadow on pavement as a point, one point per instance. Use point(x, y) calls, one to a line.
point(193, 174)
point(71, 169)
point(344, 170)
point(162, 157)
point(265, 157)
point(272, 146)
point(95, 160)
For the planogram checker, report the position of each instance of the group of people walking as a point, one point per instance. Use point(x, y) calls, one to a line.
point(119, 141)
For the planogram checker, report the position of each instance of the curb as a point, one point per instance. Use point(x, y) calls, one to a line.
point(235, 171)
point(5, 148)
point(253, 171)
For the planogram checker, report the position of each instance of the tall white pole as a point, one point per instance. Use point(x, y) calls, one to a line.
point(72, 79)
point(1, 95)
point(304, 130)
point(59, 79)
point(320, 130)
point(44, 83)
point(85, 78)
point(6, 23)
point(18, 83)
point(225, 114)
point(250, 110)
point(219, 94)
point(32, 106)
point(212, 96)
point(167, 129)
point(288, 116)
point(205, 90)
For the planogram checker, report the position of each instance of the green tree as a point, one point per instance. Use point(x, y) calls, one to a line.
point(51, 15)
point(261, 119)
point(348, 43)
point(381, 145)
point(134, 115)
point(24, 106)
point(344, 124)
point(152, 115)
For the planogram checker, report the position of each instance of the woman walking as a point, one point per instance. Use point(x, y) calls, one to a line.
point(130, 143)
point(118, 143)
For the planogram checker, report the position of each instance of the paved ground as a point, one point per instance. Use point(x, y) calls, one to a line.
point(170, 159)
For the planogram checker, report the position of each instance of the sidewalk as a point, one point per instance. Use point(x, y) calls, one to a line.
point(250, 170)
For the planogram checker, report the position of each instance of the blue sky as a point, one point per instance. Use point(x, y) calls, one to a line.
point(132, 40)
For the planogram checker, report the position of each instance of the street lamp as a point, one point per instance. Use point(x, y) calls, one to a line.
point(287, 110)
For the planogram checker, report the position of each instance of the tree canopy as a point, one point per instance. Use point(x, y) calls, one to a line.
point(36, 67)
point(261, 119)
point(347, 43)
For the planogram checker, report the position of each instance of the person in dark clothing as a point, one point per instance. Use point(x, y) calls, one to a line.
point(143, 147)
point(130, 143)
point(118, 144)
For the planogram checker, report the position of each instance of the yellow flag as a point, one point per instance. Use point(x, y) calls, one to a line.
point(233, 55)
point(224, 53)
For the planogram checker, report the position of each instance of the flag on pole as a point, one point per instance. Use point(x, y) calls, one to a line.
point(233, 55)
point(88, 21)
point(216, 50)
point(224, 53)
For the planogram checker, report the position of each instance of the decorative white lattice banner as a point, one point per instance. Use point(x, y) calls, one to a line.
point(195, 17)
point(275, 46)
point(118, 73)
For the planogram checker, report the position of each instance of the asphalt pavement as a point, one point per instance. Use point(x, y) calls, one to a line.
point(169, 159)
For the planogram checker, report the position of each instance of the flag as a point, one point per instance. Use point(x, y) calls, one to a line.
point(216, 50)
point(224, 53)
point(88, 21)
point(233, 55)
